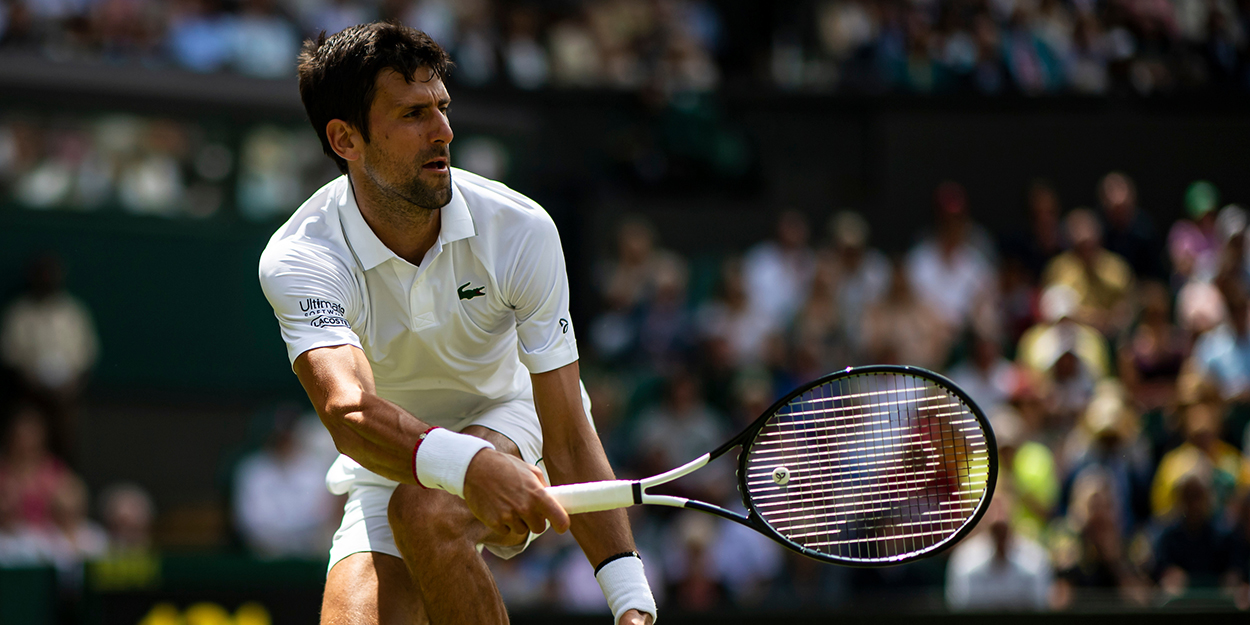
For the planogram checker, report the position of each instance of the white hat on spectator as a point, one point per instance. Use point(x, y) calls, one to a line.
point(1058, 301)
point(1230, 222)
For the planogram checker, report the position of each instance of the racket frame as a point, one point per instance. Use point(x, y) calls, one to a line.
point(746, 437)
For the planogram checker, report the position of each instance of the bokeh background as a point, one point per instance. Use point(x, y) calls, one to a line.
point(1037, 197)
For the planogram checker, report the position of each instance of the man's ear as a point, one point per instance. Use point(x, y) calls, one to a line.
point(345, 140)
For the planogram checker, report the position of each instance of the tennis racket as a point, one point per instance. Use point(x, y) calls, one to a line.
point(870, 466)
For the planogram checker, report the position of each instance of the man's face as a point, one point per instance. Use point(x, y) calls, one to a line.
point(407, 156)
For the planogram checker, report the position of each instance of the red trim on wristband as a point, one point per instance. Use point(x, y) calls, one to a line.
point(414, 455)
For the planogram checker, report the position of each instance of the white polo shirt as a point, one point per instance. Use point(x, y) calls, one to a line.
point(487, 306)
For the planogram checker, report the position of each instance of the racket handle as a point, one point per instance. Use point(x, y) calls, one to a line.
point(594, 496)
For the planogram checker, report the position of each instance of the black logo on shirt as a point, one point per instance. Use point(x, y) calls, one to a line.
point(467, 293)
point(564, 326)
point(315, 305)
point(327, 321)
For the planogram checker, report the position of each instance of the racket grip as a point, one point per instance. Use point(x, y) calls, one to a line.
point(594, 496)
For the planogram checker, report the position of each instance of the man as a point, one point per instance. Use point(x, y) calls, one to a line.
point(1101, 279)
point(412, 296)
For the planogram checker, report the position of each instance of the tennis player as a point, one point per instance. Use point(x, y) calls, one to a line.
point(425, 311)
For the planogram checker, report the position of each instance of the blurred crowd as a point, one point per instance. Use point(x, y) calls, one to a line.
point(49, 347)
point(868, 46)
point(1110, 353)
point(152, 166)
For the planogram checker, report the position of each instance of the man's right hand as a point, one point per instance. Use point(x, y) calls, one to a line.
point(509, 496)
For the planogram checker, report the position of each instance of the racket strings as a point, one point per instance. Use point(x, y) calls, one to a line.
point(875, 467)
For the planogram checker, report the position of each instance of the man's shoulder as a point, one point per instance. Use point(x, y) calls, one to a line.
point(312, 234)
point(493, 203)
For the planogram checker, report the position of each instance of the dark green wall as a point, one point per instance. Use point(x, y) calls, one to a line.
point(176, 303)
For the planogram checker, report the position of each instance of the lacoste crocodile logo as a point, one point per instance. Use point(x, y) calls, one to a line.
point(466, 293)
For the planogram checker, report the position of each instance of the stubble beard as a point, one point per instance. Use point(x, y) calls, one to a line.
point(426, 196)
point(412, 197)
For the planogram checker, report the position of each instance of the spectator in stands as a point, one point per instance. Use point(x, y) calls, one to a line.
point(1200, 308)
point(778, 272)
point(986, 375)
point(628, 284)
point(1027, 469)
point(1032, 63)
point(1067, 356)
point(816, 333)
point(680, 429)
point(333, 16)
point(1101, 279)
point(127, 511)
point(526, 62)
point(951, 270)
point(1107, 440)
point(1087, 58)
point(1222, 354)
point(734, 331)
point(1129, 231)
point(265, 40)
point(1192, 551)
point(48, 338)
point(695, 582)
point(989, 74)
point(903, 328)
point(199, 35)
point(1017, 301)
point(1150, 360)
point(1224, 469)
point(1040, 346)
point(861, 275)
point(20, 544)
point(747, 561)
point(1087, 545)
point(1043, 238)
point(281, 505)
point(73, 538)
point(666, 333)
point(1194, 244)
point(29, 472)
point(997, 569)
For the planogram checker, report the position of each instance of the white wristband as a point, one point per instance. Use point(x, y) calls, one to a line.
point(443, 457)
point(625, 587)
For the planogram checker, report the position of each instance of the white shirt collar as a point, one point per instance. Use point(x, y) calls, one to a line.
point(456, 224)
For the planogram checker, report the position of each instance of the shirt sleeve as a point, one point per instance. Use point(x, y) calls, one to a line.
point(537, 288)
point(313, 298)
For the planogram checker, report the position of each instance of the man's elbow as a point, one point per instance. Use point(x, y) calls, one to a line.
point(342, 410)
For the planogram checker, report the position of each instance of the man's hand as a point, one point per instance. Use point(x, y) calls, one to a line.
point(634, 617)
point(509, 496)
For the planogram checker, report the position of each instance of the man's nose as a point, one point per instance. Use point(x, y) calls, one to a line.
point(442, 133)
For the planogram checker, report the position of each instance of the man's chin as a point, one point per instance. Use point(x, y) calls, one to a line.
point(432, 196)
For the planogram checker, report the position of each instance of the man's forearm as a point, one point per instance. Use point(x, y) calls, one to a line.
point(600, 534)
point(377, 434)
point(572, 453)
point(368, 429)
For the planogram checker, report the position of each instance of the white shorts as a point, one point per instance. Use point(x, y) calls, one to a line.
point(365, 526)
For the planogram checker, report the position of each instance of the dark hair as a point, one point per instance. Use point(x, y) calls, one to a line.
point(338, 74)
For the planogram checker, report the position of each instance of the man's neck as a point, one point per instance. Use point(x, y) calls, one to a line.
point(404, 228)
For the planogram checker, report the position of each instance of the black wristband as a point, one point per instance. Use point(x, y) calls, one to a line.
point(614, 558)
